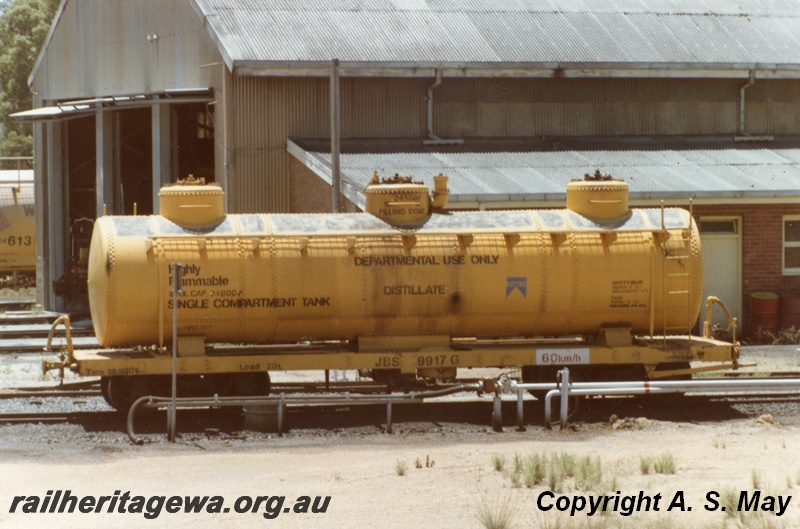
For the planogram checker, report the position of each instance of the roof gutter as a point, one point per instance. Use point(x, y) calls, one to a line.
point(247, 68)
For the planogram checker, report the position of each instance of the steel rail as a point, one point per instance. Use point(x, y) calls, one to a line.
point(49, 416)
point(50, 394)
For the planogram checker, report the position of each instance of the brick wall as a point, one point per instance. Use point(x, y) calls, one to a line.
point(309, 193)
point(762, 246)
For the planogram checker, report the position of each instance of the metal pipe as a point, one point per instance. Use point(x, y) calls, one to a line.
point(777, 384)
point(131, 414)
point(433, 139)
point(429, 117)
point(645, 387)
point(389, 416)
point(150, 401)
point(748, 84)
point(666, 386)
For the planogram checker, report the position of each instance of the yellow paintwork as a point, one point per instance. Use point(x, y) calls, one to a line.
point(17, 228)
point(233, 360)
point(602, 201)
point(271, 279)
point(192, 204)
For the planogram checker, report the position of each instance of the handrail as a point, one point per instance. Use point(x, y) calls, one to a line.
point(730, 320)
point(65, 320)
point(66, 357)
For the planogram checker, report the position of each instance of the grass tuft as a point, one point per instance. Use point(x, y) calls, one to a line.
point(498, 462)
point(663, 464)
point(497, 514)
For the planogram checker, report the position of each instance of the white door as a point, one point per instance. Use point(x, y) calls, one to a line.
point(720, 238)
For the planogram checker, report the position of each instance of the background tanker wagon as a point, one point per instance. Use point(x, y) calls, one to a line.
point(17, 229)
point(405, 291)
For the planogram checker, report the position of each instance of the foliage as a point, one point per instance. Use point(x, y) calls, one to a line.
point(788, 336)
point(498, 462)
point(559, 471)
point(23, 27)
point(663, 464)
point(496, 514)
point(16, 144)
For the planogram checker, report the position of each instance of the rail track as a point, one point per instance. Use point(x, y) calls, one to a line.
point(454, 409)
point(55, 417)
point(23, 329)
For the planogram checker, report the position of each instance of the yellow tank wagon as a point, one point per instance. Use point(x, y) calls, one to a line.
point(405, 288)
point(17, 229)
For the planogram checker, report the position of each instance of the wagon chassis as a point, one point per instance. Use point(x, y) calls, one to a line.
point(390, 359)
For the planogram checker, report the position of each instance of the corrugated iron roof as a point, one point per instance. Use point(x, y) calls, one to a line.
point(497, 172)
point(691, 33)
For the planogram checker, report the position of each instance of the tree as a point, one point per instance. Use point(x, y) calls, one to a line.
point(23, 27)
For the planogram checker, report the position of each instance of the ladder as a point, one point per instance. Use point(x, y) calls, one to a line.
point(677, 280)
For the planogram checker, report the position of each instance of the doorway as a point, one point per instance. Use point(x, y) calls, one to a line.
point(721, 242)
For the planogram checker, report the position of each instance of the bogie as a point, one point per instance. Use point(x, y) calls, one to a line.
point(120, 392)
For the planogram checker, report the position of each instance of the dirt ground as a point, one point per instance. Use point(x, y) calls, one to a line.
point(449, 475)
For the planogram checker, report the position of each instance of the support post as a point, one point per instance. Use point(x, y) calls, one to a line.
point(336, 117)
point(281, 410)
point(52, 226)
point(104, 162)
point(177, 272)
point(497, 414)
point(564, 397)
point(162, 153)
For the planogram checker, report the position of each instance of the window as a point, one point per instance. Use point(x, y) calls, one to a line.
point(205, 125)
point(791, 245)
point(714, 225)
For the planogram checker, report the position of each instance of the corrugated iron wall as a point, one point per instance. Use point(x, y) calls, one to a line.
point(586, 107)
point(102, 48)
point(772, 107)
point(259, 179)
point(270, 110)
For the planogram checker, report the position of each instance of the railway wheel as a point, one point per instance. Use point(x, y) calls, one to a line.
point(117, 392)
point(255, 384)
point(104, 383)
point(121, 392)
